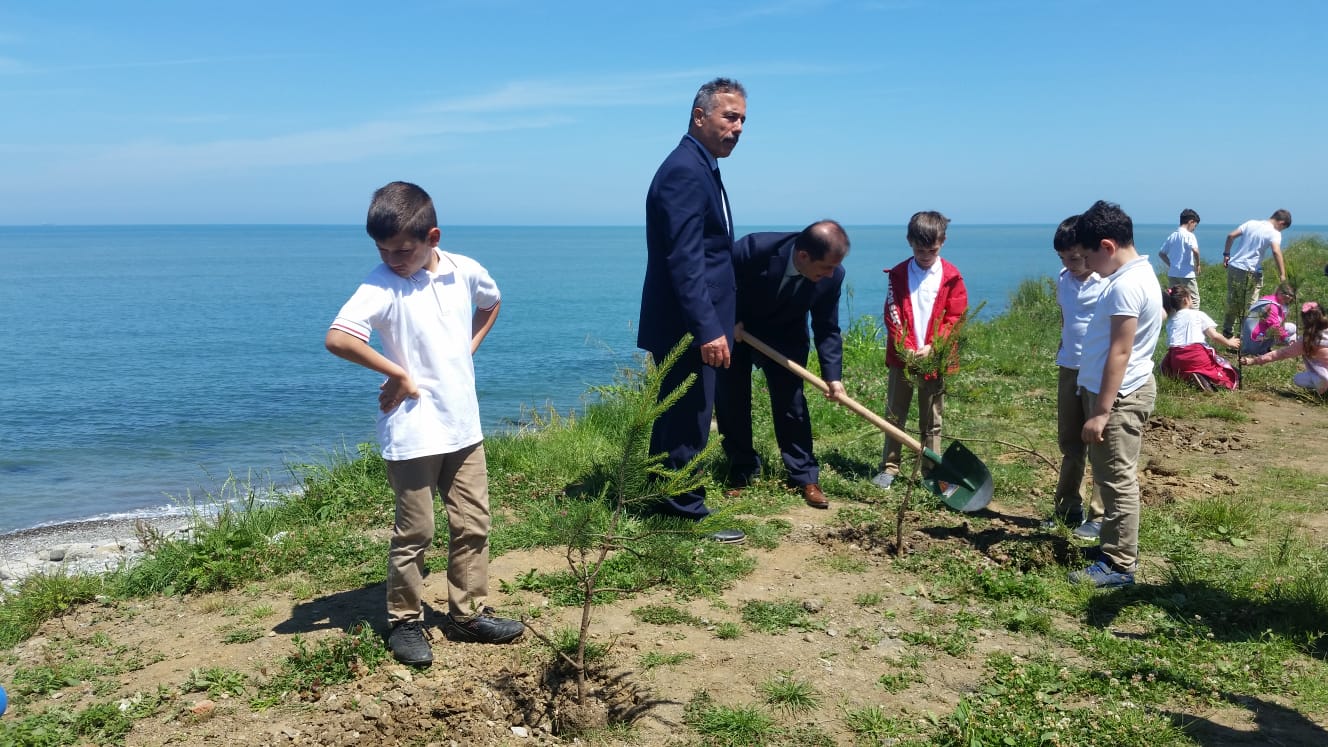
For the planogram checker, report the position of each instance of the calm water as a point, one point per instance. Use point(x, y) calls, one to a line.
point(146, 363)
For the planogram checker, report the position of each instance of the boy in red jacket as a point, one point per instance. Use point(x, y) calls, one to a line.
point(924, 301)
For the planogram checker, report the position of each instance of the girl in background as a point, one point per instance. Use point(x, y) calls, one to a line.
point(1265, 324)
point(1312, 347)
point(1189, 357)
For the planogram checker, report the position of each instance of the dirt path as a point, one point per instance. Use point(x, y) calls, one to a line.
point(475, 695)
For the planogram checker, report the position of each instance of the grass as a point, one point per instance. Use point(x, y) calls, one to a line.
point(665, 614)
point(730, 726)
point(331, 660)
point(654, 660)
point(776, 617)
point(215, 681)
point(1233, 609)
point(790, 694)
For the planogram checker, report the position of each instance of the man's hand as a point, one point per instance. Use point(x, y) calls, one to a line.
point(836, 390)
point(716, 352)
point(923, 351)
point(1093, 428)
point(395, 390)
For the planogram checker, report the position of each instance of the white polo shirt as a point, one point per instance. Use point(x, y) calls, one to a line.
point(424, 322)
point(1256, 237)
point(1132, 290)
point(1077, 299)
point(1187, 326)
point(1179, 248)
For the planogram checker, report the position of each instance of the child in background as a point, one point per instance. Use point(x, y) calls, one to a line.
point(1189, 358)
point(1312, 347)
point(1181, 253)
point(1265, 324)
point(1077, 291)
point(925, 298)
point(431, 310)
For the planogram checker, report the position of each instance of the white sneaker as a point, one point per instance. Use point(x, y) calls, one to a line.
point(884, 480)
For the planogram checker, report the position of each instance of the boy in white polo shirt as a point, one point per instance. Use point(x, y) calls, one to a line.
point(420, 301)
point(1077, 292)
point(1116, 372)
point(1181, 253)
point(1245, 265)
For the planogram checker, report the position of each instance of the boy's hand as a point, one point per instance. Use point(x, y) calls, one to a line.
point(924, 351)
point(1093, 428)
point(395, 390)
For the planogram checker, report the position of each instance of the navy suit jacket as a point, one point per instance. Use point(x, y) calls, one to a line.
point(759, 262)
point(689, 284)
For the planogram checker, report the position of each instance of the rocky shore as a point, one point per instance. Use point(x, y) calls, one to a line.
point(79, 547)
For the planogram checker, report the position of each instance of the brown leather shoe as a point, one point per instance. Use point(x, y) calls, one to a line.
point(814, 497)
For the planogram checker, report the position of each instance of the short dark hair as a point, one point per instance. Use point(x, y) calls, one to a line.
point(1282, 215)
point(705, 96)
point(926, 227)
point(821, 238)
point(1188, 215)
point(1104, 220)
point(1064, 238)
point(401, 207)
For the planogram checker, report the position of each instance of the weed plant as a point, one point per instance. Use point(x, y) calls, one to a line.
point(329, 661)
point(654, 659)
point(790, 694)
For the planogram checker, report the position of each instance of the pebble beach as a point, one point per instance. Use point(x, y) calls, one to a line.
point(81, 547)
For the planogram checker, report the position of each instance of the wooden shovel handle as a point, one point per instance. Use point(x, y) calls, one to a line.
point(844, 399)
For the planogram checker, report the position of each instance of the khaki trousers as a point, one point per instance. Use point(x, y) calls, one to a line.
point(1243, 288)
point(1190, 284)
point(899, 398)
point(1115, 463)
point(462, 479)
point(1071, 412)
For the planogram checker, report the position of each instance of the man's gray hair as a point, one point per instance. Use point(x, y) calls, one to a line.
point(705, 96)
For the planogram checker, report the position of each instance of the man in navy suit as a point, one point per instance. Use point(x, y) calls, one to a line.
point(782, 277)
point(689, 279)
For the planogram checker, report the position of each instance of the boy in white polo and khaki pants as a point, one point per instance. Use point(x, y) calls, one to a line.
point(420, 301)
point(1116, 372)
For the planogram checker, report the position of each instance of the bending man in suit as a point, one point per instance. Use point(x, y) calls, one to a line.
point(782, 277)
point(689, 279)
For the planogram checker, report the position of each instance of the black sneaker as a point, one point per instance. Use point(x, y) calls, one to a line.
point(483, 628)
point(409, 644)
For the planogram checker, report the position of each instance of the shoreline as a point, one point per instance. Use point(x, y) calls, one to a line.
point(80, 547)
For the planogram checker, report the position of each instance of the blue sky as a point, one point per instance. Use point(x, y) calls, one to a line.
point(537, 112)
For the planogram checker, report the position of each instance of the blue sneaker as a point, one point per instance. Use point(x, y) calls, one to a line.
point(884, 480)
point(1101, 575)
point(1089, 530)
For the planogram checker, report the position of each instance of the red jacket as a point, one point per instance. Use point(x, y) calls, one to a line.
point(951, 303)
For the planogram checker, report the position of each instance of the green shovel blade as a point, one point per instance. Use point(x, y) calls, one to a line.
point(959, 478)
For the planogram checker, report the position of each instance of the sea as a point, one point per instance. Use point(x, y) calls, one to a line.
point(151, 369)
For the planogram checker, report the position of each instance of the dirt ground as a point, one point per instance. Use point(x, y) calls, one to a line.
point(490, 695)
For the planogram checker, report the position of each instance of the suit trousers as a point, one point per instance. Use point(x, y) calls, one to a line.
point(788, 408)
point(931, 404)
point(462, 479)
point(683, 430)
point(1115, 463)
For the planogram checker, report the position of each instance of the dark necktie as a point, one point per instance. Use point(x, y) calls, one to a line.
point(789, 287)
point(724, 203)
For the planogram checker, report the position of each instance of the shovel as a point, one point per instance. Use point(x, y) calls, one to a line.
point(959, 478)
